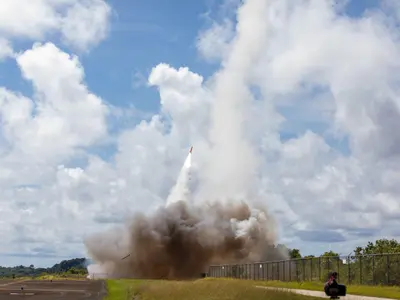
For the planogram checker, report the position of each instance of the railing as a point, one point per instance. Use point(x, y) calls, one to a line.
point(374, 269)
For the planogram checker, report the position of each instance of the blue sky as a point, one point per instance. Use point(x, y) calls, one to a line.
point(144, 36)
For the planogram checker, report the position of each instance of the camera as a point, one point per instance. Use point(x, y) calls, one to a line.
point(332, 288)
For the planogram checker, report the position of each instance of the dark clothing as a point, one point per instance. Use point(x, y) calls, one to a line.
point(331, 283)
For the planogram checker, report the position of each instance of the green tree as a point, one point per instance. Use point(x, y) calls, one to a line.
point(294, 253)
point(330, 254)
point(371, 265)
point(379, 247)
point(358, 250)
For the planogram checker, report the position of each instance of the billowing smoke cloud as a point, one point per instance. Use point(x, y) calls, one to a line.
point(181, 241)
point(223, 225)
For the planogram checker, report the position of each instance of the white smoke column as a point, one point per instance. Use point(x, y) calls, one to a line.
point(96, 271)
point(231, 171)
point(180, 192)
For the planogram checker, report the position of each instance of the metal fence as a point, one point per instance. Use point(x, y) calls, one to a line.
point(374, 269)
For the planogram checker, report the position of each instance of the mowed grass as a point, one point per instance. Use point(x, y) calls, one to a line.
point(60, 277)
point(193, 290)
point(46, 277)
point(363, 290)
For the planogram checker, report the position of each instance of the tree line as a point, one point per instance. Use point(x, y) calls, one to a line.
point(381, 246)
point(75, 266)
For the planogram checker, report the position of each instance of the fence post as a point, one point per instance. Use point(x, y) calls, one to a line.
point(319, 268)
point(304, 269)
point(290, 270)
point(329, 264)
point(387, 269)
point(273, 270)
point(284, 270)
point(361, 269)
point(373, 269)
point(265, 270)
point(349, 271)
point(249, 268)
point(338, 267)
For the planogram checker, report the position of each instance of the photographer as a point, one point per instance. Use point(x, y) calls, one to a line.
point(332, 288)
point(331, 283)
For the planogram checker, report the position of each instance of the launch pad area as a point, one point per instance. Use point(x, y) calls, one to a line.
point(56, 289)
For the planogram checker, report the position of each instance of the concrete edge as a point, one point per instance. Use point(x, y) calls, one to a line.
point(321, 294)
point(103, 292)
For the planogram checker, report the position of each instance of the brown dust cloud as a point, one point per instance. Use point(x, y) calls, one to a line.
point(180, 241)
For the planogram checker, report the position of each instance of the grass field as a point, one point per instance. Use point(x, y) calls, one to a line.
point(47, 277)
point(193, 290)
point(363, 290)
point(60, 277)
point(226, 289)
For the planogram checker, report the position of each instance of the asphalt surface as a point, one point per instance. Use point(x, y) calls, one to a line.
point(56, 289)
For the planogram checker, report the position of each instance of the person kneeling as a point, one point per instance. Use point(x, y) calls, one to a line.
point(332, 288)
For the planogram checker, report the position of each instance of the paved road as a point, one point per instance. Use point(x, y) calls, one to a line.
point(57, 289)
point(322, 294)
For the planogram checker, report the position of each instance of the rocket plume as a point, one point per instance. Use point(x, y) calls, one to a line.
point(233, 173)
point(180, 192)
point(181, 239)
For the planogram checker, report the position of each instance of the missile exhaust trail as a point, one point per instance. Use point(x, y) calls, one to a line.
point(180, 192)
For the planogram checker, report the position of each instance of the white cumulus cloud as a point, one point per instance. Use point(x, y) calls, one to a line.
point(81, 23)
